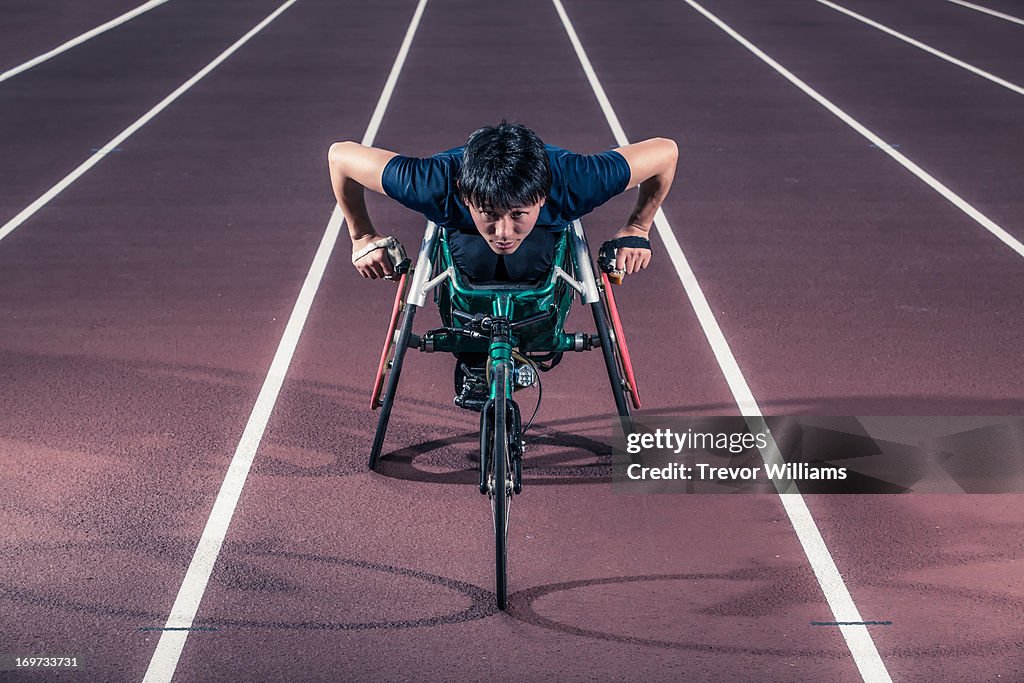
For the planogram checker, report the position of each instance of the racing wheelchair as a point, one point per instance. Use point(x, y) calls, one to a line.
point(518, 330)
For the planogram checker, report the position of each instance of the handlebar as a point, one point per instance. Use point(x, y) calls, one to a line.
point(484, 321)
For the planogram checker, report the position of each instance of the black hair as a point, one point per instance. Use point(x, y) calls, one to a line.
point(504, 167)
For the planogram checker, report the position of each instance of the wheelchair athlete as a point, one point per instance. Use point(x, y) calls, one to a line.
point(490, 194)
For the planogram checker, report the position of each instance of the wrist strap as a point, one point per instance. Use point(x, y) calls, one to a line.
point(394, 247)
point(606, 254)
point(631, 241)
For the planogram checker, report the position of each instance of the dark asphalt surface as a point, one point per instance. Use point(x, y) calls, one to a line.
point(140, 311)
point(77, 102)
point(34, 27)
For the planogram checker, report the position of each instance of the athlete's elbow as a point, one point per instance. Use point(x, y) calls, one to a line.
point(670, 149)
point(337, 153)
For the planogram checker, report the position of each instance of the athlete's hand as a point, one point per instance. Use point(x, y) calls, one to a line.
point(631, 259)
point(375, 264)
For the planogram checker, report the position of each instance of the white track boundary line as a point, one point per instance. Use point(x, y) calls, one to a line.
point(932, 182)
point(64, 47)
point(858, 639)
point(103, 151)
point(927, 48)
point(986, 10)
point(186, 604)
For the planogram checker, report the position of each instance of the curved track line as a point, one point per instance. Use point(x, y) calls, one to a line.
point(858, 640)
point(986, 10)
point(955, 199)
point(186, 604)
point(64, 47)
point(29, 211)
point(927, 48)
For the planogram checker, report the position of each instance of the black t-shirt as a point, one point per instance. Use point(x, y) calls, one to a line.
point(579, 184)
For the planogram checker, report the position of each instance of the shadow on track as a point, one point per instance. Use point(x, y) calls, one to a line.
point(564, 458)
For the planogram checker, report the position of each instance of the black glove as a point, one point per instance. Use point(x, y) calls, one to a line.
point(606, 254)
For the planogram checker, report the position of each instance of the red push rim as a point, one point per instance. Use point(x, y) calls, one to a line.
point(620, 341)
point(389, 341)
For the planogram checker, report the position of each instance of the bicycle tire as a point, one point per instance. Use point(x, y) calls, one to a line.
point(401, 346)
point(389, 341)
point(501, 491)
point(621, 347)
point(608, 350)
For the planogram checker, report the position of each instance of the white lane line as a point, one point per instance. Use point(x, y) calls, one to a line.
point(927, 48)
point(955, 199)
point(64, 47)
point(111, 146)
point(986, 10)
point(186, 604)
point(858, 639)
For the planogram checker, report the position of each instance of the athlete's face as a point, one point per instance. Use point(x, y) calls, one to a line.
point(505, 230)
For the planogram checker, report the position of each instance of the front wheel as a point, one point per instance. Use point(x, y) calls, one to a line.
point(500, 482)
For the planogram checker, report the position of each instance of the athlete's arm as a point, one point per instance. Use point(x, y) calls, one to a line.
point(353, 168)
point(652, 166)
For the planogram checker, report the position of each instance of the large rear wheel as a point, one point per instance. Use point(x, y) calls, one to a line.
point(389, 341)
point(621, 347)
point(401, 345)
point(615, 378)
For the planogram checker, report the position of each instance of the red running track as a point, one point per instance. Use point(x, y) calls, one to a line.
point(142, 308)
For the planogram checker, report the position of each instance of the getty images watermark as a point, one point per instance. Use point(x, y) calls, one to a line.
point(733, 443)
point(820, 455)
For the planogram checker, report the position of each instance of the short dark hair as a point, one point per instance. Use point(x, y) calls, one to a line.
point(504, 167)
